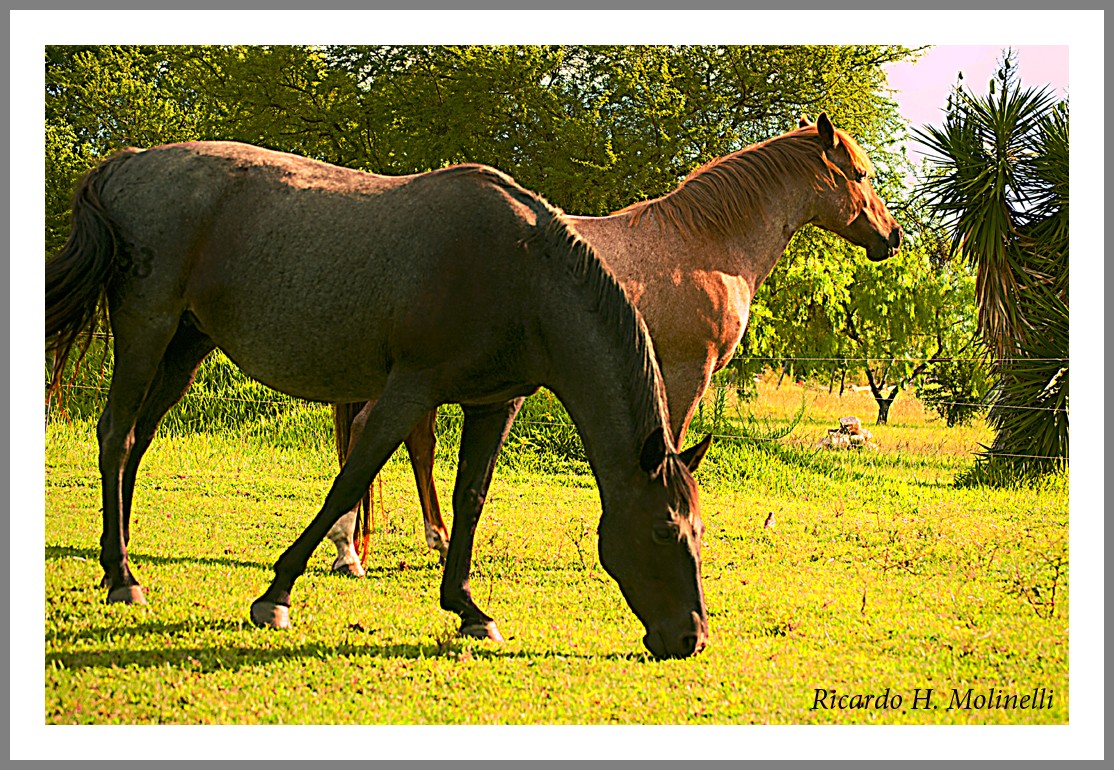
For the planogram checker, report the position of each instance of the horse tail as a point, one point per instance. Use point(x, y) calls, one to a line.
point(343, 417)
point(78, 276)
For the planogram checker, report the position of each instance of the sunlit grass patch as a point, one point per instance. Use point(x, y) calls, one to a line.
point(854, 571)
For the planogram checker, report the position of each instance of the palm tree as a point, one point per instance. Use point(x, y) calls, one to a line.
point(1001, 184)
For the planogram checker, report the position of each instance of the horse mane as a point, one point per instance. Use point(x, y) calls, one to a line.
point(728, 191)
point(555, 238)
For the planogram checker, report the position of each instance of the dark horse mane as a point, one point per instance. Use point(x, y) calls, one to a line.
point(559, 242)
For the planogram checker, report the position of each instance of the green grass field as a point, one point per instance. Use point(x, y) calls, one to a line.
point(878, 576)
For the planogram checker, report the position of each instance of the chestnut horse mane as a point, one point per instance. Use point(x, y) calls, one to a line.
point(728, 191)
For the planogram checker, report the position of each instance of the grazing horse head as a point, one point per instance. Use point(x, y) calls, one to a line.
point(848, 204)
point(655, 558)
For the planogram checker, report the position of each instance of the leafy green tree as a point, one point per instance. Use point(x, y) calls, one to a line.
point(908, 322)
point(1002, 186)
point(98, 100)
point(956, 388)
point(593, 128)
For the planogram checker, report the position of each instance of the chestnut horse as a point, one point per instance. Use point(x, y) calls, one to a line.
point(455, 286)
point(691, 262)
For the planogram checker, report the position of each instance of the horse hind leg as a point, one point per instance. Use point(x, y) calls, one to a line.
point(175, 376)
point(349, 420)
point(421, 444)
point(349, 426)
point(140, 347)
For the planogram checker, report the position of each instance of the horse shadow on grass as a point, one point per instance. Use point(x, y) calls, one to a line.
point(233, 658)
point(55, 552)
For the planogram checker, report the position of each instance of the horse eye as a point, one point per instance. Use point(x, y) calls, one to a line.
point(666, 532)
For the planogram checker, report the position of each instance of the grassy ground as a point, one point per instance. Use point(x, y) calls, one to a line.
point(876, 576)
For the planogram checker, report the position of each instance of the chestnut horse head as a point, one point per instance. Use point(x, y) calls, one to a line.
point(847, 203)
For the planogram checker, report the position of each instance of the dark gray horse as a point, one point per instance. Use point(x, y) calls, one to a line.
point(456, 286)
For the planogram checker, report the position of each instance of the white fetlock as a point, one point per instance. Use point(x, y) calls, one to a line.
point(486, 630)
point(127, 595)
point(347, 566)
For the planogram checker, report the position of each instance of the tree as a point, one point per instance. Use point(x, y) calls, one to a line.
point(593, 128)
point(907, 323)
point(100, 99)
point(1002, 185)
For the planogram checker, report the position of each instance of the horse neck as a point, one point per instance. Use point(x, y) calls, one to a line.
point(634, 247)
point(598, 376)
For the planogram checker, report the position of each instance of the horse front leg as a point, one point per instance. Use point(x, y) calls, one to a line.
point(685, 384)
point(392, 417)
point(482, 436)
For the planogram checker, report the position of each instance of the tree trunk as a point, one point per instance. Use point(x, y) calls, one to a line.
point(884, 405)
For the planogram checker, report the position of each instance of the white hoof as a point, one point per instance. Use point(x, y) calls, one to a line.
point(348, 568)
point(270, 615)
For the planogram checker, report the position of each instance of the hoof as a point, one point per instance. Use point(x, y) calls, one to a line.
point(349, 570)
point(127, 595)
point(482, 631)
point(441, 546)
point(270, 615)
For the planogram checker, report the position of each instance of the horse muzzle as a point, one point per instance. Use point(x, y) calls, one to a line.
point(683, 641)
point(884, 248)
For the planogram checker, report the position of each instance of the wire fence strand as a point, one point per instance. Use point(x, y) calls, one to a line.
point(557, 424)
point(278, 402)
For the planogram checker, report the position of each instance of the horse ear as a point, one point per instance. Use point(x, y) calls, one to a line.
point(653, 451)
point(694, 454)
point(826, 130)
point(804, 122)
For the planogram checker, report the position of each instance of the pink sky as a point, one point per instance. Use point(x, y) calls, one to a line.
point(922, 87)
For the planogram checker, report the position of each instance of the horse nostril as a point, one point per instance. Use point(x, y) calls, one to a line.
point(691, 644)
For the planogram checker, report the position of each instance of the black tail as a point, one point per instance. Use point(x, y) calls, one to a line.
point(77, 277)
point(343, 417)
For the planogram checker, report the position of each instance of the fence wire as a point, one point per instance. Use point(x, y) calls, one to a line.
point(554, 424)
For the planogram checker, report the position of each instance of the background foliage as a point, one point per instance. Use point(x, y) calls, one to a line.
point(1001, 185)
point(593, 128)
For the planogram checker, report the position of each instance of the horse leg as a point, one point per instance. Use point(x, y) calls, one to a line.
point(485, 429)
point(392, 417)
point(140, 346)
point(342, 534)
point(685, 385)
point(421, 444)
point(175, 376)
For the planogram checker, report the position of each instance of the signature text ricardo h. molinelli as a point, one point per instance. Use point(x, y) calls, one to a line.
point(927, 698)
